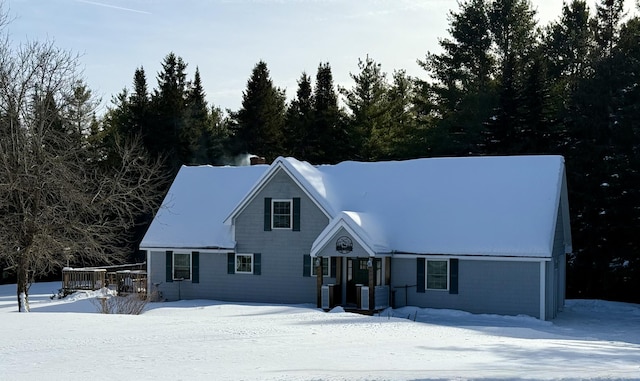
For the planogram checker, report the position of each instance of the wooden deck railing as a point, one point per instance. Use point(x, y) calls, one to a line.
point(123, 281)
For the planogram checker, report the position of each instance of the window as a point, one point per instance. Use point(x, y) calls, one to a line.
point(181, 266)
point(281, 214)
point(244, 263)
point(437, 275)
point(325, 267)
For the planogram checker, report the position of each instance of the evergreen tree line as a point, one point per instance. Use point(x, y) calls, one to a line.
point(501, 84)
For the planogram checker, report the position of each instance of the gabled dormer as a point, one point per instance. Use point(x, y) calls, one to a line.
point(285, 206)
point(288, 195)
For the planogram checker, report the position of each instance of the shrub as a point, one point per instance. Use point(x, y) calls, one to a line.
point(126, 305)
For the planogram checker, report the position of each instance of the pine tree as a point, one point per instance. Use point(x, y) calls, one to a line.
point(218, 135)
point(601, 151)
point(195, 135)
point(169, 108)
point(625, 264)
point(406, 138)
point(334, 143)
point(367, 104)
point(258, 125)
point(568, 44)
point(116, 127)
point(512, 26)
point(609, 14)
point(461, 95)
point(79, 111)
point(535, 128)
point(140, 108)
point(299, 121)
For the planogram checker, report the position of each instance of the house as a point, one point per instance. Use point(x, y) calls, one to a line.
point(480, 234)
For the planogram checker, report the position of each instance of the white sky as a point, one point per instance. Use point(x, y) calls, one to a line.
point(226, 38)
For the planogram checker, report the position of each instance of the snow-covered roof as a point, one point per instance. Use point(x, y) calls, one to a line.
point(193, 211)
point(503, 205)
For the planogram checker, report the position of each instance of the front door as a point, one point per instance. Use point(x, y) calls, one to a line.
point(357, 275)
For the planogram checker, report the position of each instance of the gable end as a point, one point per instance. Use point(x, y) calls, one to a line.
point(277, 166)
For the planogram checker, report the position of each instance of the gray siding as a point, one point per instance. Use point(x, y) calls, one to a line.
point(282, 251)
point(496, 287)
point(556, 272)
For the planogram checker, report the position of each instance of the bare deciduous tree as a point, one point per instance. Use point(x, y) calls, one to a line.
point(56, 202)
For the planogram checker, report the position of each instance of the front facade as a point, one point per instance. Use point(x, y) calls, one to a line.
point(440, 233)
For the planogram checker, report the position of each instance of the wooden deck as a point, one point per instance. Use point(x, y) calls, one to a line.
point(125, 279)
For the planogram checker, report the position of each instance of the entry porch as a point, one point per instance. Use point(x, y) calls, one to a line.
point(361, 283)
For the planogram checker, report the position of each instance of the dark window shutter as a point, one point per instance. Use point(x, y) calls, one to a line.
point(267, 214)
point(169, 266)
point(231, 263)
point(332, 267)
point(257, 264)
point(195, 267)
point(453, 276)
point(296, 214)
point(420, 275)
point(306, 265)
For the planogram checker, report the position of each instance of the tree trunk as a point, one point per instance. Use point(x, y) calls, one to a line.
point(23, 284)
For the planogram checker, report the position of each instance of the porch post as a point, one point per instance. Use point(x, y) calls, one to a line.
point(318, 264)
point(372, 284)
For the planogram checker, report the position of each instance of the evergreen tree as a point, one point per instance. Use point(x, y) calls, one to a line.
point(624, 190)
point(116, 122)
point(47, 116)
point(609, 14)
point(406, 138)
point(169, 108)
point(79, 111)
point(196, 135)
point(366, 102)
point(604, 151)
point(218, 135)
point(567, 43)
point(512, 27)
point(299, 121)
point(461, 95)
point(258, 125)
point(334, 143)
point(536, 111)
point(140, 108)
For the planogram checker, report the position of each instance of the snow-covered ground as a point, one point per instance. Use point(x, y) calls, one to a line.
point(209, 340)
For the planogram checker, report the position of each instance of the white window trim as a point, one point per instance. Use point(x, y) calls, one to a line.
point(236, 263)
point(313, 267)
point(290, 201)
point(173, 265)
point(426, 274)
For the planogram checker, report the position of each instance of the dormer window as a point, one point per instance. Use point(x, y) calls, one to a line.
point(281, 213)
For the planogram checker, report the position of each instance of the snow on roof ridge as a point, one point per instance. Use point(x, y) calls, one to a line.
point(311, 178)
